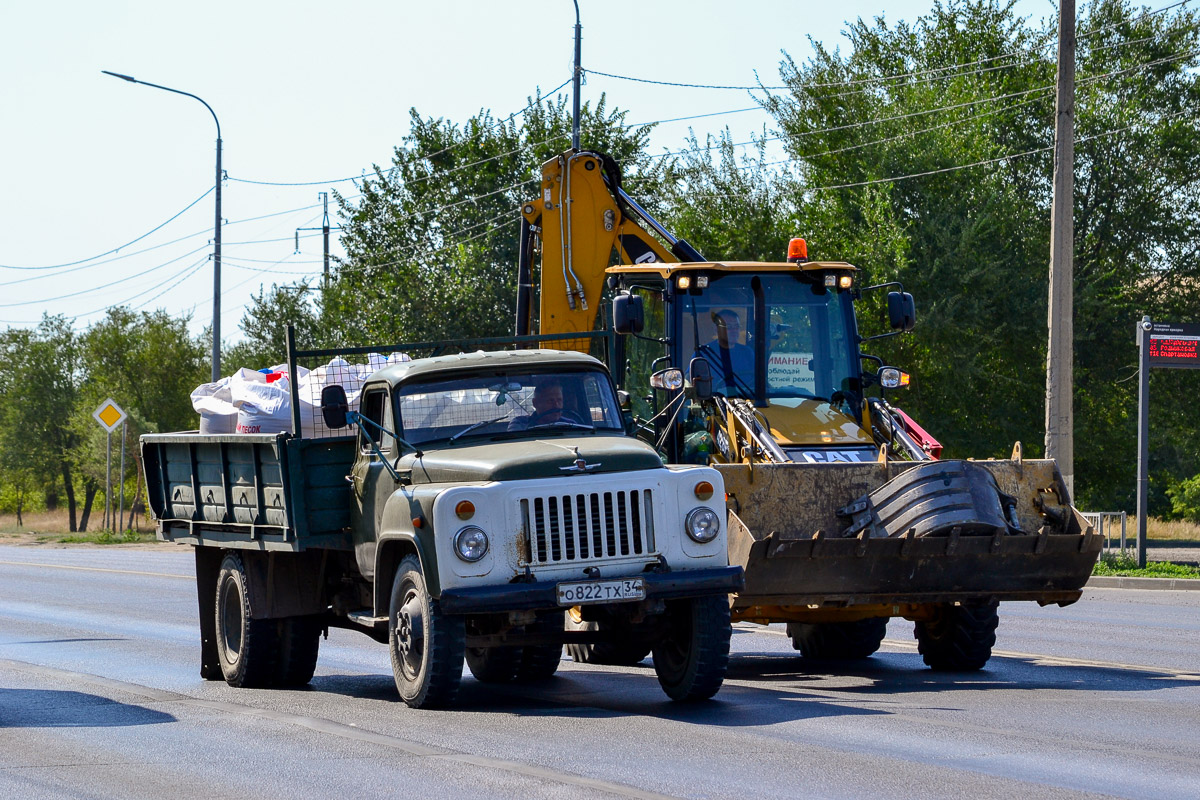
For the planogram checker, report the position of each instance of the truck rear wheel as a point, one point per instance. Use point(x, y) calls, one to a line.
point(427, 646)
point(539, 662)
point(494, 664)
point(691, 659)
point(838, 640)
point(246, 647)
point(958, 638)
point(618, 654)
point(299, 643)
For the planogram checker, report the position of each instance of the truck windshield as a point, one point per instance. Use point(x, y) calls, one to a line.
point(495, 404)
point(809, 341)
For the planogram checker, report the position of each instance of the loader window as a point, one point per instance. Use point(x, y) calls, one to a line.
point(810, 352)
point(641, 354)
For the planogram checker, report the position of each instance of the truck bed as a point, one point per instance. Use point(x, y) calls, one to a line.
point(250, 491)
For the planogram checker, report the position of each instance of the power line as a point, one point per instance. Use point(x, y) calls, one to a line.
point(363, 175)
point(116, 249)
point(104, 286)
point(956, 68)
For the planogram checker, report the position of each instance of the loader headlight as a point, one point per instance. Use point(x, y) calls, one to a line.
point(471, 543)
point(702, 524)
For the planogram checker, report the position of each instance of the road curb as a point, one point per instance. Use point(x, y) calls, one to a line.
point(1165, 584)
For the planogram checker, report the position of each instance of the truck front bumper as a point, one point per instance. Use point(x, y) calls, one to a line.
point(533, 596)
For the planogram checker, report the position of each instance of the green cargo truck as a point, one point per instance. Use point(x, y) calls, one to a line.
point(458, 519)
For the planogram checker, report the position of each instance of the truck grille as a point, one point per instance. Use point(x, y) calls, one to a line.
point(589, 526)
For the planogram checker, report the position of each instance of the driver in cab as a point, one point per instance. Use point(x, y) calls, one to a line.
point(547, 407)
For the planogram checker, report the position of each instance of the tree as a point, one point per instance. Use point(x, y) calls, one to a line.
point(40, 374)
point(923, 154)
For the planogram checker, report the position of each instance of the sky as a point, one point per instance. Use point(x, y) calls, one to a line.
point(310, 93)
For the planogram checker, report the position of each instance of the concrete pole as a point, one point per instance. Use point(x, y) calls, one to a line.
point(575, 82)
point(1060, 417)
point(1143, 462)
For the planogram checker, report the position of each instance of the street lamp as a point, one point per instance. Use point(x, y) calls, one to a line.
point(216, 323)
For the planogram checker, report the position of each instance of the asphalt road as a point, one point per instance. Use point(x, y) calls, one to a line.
point(100, 696)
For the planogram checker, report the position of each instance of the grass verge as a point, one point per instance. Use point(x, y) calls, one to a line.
point(1126, 566)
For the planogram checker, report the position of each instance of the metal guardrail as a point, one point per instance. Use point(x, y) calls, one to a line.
point(1107, 523)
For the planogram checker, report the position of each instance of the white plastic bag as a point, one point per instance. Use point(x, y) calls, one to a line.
point(262, 407)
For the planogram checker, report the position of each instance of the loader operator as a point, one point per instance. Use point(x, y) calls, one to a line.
point(732, 362)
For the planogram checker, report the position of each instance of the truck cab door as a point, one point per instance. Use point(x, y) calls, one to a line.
point(372, 482)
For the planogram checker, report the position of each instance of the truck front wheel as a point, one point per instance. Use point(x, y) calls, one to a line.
point(958, 638)
point(838, 640)
point(692, 656)
point(247, 648)
point(427, 646)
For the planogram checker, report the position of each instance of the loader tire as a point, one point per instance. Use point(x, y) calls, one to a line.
point(838, 640)
point(693, 656)
point(247, 648)
point(958, 638)
point(616, 654)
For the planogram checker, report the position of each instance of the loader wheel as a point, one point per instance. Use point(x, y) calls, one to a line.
point(617, 654)
point(539, 662)
point(494, 664)
point(838, 640)
point(427, 646)
point(246, 647)
point(299, 643)
point(692, 657)
point(958, 638)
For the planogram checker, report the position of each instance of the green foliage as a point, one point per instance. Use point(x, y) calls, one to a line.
point(1125, 565)
point(431, 240)
point(968, 231)
point(1185, 499)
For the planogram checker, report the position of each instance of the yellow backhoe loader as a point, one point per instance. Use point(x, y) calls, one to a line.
point(840, 509)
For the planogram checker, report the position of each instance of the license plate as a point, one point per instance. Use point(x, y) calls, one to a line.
point(585, 592)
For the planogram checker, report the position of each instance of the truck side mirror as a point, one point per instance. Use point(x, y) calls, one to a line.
point(334, 406)
point(902, 311)
point(628, 313)
point(700, 373)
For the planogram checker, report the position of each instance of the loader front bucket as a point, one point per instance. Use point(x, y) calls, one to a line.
point(900, 540)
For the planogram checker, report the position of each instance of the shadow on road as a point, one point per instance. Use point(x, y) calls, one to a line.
point(52, 708)
point(587, 692)
point(901, 673)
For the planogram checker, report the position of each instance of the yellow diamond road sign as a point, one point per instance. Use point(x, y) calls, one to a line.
point(109, 415)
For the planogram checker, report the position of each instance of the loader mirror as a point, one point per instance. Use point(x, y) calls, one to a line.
point(902, 311)
point(628, 314)
point(700, 373)
point(892, 378)
point(334, 406)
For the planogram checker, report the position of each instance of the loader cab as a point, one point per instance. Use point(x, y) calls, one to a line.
point(776, 334)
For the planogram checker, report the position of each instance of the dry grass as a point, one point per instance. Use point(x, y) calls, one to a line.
point(52, 527)
point(1162, 529)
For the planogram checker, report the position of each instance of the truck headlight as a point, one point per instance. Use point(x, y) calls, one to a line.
point(471, 543)
point(702, 524)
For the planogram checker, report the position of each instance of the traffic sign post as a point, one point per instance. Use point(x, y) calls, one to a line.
point(1174, 345)
point(110, 416)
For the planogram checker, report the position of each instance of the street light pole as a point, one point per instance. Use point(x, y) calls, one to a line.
point(216, 322)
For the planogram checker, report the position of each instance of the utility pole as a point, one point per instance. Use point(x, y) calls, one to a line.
point(575, 82)
point(1060, 418)
point(324, 229)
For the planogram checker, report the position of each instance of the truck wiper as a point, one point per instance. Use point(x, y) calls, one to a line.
point(476, 426)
